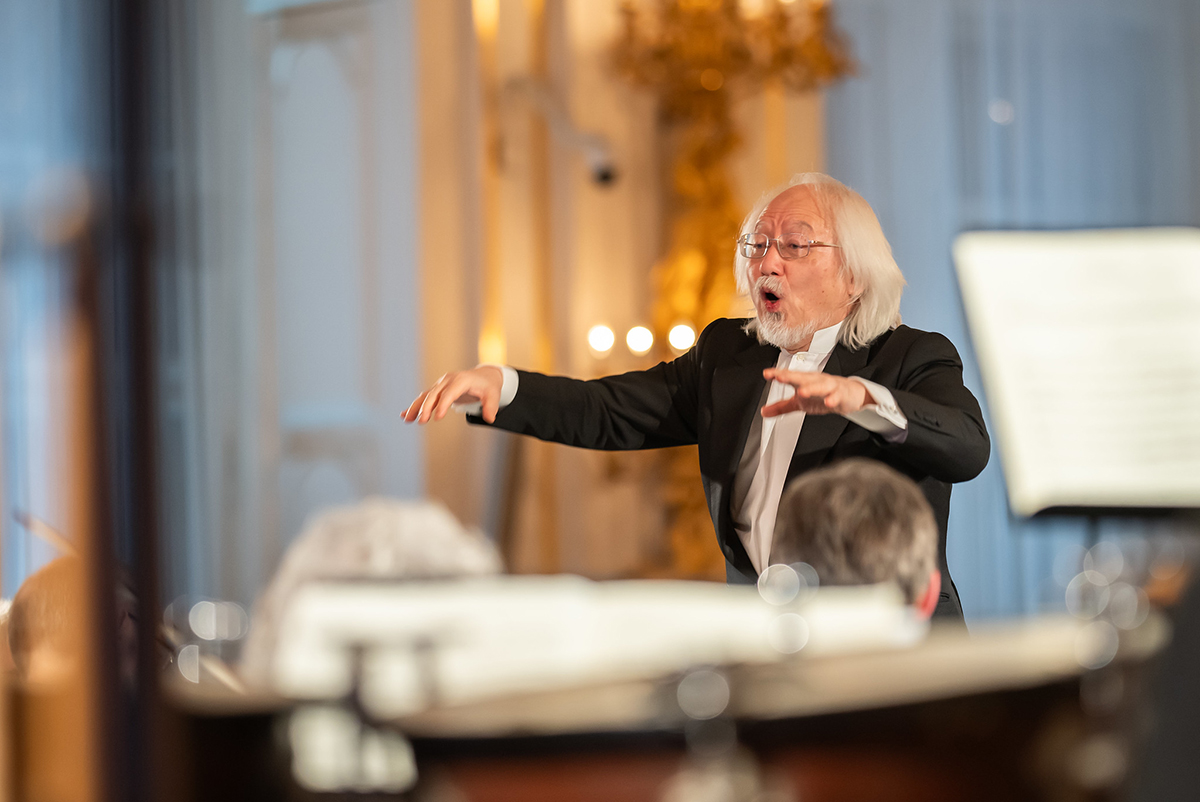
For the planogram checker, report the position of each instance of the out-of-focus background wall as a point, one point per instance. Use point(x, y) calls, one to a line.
point(360, 195)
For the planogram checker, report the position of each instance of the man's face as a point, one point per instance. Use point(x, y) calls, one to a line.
point(795, 298)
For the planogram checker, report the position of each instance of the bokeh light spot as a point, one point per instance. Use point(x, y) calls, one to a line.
point(703, 694)
point(788, 633)
point(640, 340)
point(600, 339)
point(681, 337)
point(1087, 594)
point(1096, 644)
point(188, 662)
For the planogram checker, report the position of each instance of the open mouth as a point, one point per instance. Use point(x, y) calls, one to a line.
point(770, 301)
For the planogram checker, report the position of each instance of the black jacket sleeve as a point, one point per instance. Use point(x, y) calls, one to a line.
point(947, 438)
point(651, 408)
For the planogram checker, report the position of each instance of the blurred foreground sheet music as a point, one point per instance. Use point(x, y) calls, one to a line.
point(1089, 347)
point(487, 637)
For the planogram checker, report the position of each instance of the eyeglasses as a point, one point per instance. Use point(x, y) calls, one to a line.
point(790, 246)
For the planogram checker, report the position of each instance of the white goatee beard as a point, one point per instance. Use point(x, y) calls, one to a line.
point(769, 326)
point(771, 330)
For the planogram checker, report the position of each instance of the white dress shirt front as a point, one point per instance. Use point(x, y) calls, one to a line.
point(763, 468)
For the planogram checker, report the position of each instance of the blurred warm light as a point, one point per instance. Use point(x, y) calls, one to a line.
point(681, 337)
point(600, 339)
point(753, 9)
point(492, 348)
point(639, 339)
point(487, 17)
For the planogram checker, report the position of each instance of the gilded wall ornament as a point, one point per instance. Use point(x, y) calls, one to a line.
point(697, 56)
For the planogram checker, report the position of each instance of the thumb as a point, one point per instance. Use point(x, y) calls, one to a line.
point(490, 405)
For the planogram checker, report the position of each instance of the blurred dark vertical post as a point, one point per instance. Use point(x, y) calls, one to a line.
point(77, 138)
point(114, 309)
point(131, 411)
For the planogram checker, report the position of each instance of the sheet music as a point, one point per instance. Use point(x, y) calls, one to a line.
point(1089, 346)
point(489, 637)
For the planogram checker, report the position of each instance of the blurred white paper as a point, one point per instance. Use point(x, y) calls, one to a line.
point(1089, 346)
point(488, 637)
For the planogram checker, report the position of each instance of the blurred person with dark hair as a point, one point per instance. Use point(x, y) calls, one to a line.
point(860, 522)
point(823, 372)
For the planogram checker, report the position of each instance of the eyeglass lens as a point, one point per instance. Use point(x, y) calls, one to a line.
point(790, 246)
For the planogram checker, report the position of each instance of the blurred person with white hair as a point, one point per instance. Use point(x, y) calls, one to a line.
point(823, 372)
point(376, 539)
point(859, 522)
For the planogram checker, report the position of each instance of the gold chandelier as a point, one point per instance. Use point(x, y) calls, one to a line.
point(693, 52)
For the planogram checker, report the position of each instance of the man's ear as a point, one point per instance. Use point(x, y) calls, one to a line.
point(928, 600)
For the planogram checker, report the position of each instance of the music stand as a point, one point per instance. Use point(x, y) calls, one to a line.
point(1088, 343)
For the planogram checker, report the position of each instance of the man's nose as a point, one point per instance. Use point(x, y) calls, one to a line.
point(772, 263)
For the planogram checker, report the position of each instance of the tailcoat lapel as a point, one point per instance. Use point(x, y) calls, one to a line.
point(737, 389)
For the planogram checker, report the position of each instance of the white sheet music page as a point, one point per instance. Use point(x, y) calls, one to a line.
point(1089, 346)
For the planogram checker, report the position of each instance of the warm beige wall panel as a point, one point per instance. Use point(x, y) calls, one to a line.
point(458, 461)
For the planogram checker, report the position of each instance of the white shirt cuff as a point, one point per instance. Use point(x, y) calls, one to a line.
point(883, 417)
point(508, 391)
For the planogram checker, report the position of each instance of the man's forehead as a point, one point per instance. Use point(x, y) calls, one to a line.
point(795, 205)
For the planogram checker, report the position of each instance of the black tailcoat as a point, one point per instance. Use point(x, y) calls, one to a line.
point(710, 395)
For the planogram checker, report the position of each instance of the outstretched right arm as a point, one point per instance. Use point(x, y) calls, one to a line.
point(641, 409)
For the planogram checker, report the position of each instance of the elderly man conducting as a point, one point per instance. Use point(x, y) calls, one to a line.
point(825, 371)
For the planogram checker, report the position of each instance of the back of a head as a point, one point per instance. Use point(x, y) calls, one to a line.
point(858, 522)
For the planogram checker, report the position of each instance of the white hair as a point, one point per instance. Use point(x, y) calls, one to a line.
point(866, 257)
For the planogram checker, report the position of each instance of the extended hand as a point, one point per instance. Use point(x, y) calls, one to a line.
point(481, 384)
point(817, 394)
